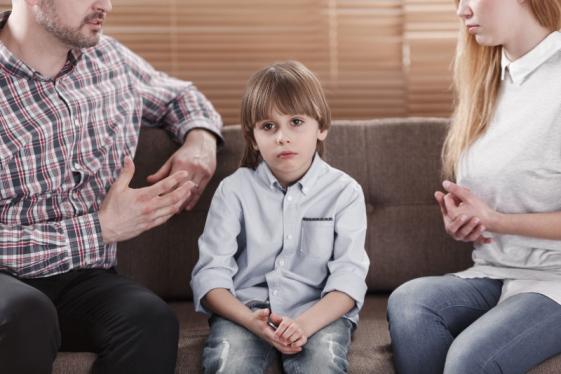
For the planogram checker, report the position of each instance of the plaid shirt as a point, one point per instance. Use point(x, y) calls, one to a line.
point(63, 142)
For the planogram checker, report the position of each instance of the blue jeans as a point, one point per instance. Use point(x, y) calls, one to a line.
point(454, 325)
point(231, 348)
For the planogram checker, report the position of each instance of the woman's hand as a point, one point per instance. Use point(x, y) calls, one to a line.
point(465, 216)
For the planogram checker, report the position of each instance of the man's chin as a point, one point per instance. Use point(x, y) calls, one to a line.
point(88, 42)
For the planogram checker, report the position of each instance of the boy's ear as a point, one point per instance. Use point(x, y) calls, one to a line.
point(322, 134)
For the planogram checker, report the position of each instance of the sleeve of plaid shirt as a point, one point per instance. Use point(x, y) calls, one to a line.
point(170, 103)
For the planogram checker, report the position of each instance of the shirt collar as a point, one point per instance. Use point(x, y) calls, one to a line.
point(17, 67)
point(305, 183)
point(521, 68)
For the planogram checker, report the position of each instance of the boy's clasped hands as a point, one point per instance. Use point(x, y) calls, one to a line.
point(288, 337)
point(466, 217)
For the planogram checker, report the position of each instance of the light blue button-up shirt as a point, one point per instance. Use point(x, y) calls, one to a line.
point(288, 247)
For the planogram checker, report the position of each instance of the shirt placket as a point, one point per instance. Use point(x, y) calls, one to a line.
point(289, 242)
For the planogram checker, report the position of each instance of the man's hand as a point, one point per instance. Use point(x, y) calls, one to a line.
point(197, 156)
point(126, 212)
point(259, 326)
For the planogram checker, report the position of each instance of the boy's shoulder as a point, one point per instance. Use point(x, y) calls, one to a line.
point(339, 178)
point(241, 178)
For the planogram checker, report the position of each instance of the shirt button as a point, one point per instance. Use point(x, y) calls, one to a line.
point(288, 237)
point(77, 166)
point(289, 198)
point(281, 262)
point(275, 292)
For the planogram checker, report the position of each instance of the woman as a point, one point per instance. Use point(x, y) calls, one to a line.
point(503, 315)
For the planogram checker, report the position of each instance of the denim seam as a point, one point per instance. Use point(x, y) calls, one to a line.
point(517, 339)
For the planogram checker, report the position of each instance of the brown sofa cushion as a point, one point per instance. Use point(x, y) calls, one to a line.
point(395, 160)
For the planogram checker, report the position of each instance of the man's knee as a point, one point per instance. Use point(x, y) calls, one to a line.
point(154, 317)
point(28, 328)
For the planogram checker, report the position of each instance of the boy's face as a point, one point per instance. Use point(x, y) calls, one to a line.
point(76, 23)
point(287, 143)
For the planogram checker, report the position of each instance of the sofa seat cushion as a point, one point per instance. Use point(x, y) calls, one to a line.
point(370, 349)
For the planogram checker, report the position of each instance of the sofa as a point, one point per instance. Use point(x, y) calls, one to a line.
point(396, 161)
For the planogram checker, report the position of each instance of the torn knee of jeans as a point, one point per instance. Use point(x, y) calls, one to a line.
point(225, 351)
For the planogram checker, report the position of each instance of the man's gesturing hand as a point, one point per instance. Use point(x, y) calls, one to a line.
point(126, 212)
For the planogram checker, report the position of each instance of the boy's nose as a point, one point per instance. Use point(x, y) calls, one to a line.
point(281, 138)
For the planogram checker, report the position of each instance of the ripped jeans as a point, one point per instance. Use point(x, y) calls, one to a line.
point(231, 348)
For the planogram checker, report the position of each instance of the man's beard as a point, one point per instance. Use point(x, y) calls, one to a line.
point(46, 15)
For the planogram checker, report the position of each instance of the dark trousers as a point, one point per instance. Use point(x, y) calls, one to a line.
point(129, 328)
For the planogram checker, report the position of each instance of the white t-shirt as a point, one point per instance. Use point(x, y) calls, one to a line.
point(515, 167)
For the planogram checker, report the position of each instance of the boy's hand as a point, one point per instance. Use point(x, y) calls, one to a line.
point(289, 332)
point(261, 328)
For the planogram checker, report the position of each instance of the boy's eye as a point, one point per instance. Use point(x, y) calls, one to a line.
point(297, 122)
point(267, 126)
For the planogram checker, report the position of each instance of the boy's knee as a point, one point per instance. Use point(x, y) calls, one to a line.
point(327, 355)
point(227, 356)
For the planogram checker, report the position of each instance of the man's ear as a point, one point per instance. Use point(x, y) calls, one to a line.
point(322, 134)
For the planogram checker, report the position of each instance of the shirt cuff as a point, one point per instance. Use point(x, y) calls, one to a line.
point(213, 128)
point(207, 280)
point(349, 283)
point(85, 241)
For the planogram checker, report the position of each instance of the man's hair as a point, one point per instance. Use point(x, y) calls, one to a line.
point(287, 87)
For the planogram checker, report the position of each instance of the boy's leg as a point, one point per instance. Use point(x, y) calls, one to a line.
point(513, 337)
point(232, 349)
point(324, 353)
point(129, 327)
point(29, 332)
point(426, 314)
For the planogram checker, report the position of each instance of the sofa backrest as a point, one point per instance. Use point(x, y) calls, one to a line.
point(397, 162)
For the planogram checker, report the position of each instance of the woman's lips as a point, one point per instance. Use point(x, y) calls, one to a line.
point(472, 28)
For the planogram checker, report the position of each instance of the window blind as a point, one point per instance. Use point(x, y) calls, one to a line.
point(375, 58)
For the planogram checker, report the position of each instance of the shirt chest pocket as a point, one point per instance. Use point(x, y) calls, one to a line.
point(317, 239)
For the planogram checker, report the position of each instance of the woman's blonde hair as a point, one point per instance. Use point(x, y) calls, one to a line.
point(477, 71)
point(288, 87)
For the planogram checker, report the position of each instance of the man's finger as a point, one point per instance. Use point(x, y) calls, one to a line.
point(163, 172)
point(168, 184)
point(197, 192)
point(127, 172)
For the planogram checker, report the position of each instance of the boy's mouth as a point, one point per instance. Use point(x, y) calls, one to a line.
point(286, 154)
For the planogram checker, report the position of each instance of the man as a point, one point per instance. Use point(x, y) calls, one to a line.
point(71, 104)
